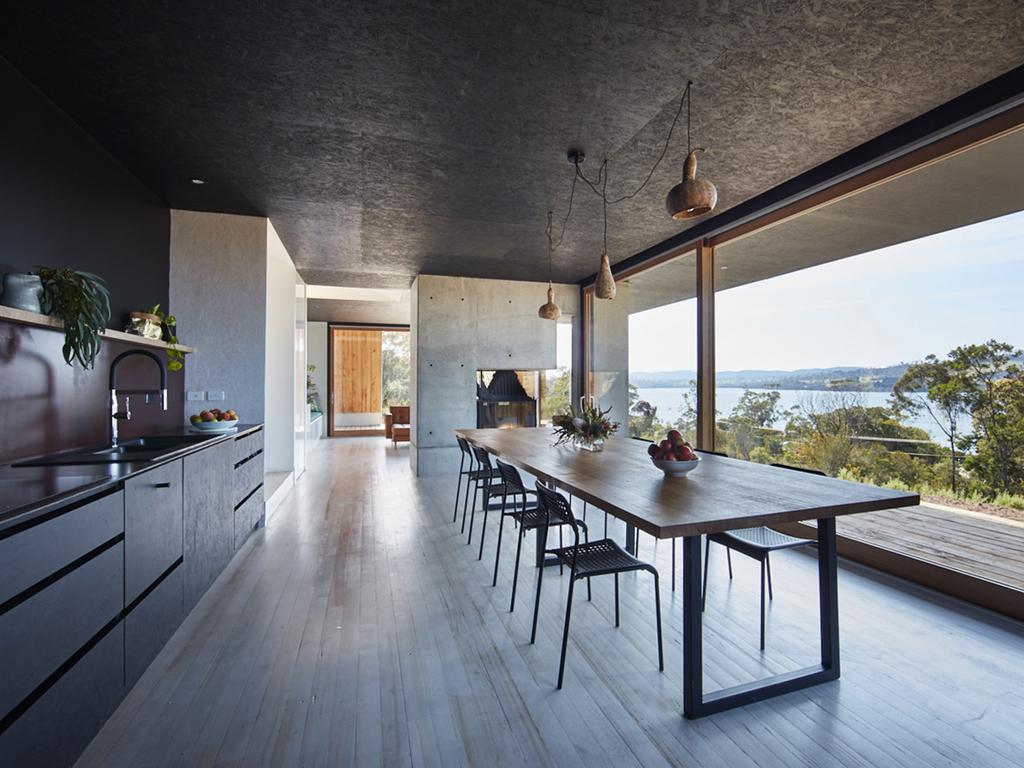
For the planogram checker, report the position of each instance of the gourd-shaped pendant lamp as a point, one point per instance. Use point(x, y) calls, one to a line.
point(604, 287)
point(691, 197)
point(550, 310)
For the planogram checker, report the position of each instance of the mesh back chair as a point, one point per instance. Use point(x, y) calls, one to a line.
point(488, 483)
point(757, 543)
point(585, 560)
point(465, 470)
point(475, 474)
point(527, 515)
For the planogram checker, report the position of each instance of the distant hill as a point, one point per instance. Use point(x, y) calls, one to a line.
point(844, 378)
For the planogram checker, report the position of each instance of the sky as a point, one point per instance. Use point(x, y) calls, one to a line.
point(893, 305)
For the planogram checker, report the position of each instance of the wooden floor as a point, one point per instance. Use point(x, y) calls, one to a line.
point(359, 630)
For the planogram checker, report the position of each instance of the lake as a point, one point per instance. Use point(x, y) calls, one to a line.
point(669, 402)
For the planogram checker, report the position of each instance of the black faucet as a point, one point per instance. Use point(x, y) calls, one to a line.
point(115, 414)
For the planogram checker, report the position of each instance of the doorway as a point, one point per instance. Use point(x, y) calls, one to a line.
point(368, 371)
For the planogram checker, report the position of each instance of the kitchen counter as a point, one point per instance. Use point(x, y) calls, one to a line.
point(30, 492)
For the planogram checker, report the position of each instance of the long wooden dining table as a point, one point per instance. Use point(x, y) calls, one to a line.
point(720, 494)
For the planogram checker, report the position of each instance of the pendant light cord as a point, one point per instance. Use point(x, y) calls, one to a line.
point(550, 247)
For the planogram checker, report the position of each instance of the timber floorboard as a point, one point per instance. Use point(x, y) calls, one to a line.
point(358, 629)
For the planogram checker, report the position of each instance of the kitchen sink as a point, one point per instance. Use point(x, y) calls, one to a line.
point(141, 449)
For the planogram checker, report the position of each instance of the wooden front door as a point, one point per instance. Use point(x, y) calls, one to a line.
point(355, 376)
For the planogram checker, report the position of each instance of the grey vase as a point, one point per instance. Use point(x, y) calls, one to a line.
point(22, 291)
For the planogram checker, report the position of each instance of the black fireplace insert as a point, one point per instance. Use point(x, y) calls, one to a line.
point(503, 402)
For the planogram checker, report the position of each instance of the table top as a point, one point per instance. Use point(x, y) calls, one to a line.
point(720, 494)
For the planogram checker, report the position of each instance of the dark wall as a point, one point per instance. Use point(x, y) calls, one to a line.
point(65, 202)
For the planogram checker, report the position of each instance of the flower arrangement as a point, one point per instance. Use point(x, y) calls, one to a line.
point(588, 427)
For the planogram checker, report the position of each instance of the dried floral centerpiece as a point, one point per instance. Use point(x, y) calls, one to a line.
point(587, 427)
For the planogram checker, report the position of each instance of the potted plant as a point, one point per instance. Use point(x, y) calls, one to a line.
point(82, 302)
point(587, 428)
point(165, 328)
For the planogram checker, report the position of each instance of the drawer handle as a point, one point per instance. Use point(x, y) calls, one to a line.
point(161, 485)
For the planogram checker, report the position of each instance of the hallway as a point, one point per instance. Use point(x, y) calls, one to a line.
point(357, 629)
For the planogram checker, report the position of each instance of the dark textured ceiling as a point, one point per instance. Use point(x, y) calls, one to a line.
point(384, 139)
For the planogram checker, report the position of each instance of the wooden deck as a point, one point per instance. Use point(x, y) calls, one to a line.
point(358, 629)
point(975, 557)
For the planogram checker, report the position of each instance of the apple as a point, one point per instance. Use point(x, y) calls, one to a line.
point(669, 456)
point(195, 419)
point(207, 416)
point(666, 446)
point(675, 437)
point(653, 449)
point(688, 454)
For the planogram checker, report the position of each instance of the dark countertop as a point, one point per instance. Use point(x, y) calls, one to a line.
point(29, 492)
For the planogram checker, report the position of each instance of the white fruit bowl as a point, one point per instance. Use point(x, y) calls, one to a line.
point(214, 426)
point(676, 468)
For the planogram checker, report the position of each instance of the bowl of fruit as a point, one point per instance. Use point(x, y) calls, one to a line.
point(214, 420)
point(673, 455)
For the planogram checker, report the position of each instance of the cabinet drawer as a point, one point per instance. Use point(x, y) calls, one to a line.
point(209, 517)
point(152, 526)
point(151, 623)
point(41, 633)
point(29, 556)
point(247, 445)
point(57, 728)
point(247, 477)
point(247, 516)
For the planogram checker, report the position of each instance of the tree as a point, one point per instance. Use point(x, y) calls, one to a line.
point(759, 408)
point(557, 386)
point(934, 387)
point(394, 355)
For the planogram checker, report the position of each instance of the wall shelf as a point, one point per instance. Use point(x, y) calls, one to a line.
point(22, 317)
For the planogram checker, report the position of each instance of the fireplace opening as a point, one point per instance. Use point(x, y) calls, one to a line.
point(506, 399)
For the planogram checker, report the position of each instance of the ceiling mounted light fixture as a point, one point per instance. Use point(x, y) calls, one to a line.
point(691, 197)
point(198, 182)
point(604, 287)
point(550, 310)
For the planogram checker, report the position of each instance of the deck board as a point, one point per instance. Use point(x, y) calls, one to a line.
point(359, 629)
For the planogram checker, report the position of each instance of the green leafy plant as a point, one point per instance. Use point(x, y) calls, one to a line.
point(82, 302)
point(175, 357)
point(587, 423)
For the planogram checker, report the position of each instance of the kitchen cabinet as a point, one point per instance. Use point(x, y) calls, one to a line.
point(152, 526)
point(209, 491)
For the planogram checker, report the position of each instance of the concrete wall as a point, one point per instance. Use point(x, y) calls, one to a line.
point(460, 325)
point(217, 266)
point(281, 280)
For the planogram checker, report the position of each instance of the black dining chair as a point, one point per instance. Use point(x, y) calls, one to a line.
point(758, 544)
point(477, 474)
point(527, 515)
point(489, 485)
point(586, 560)
point(465, 471)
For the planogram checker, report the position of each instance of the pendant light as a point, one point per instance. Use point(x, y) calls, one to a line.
point(604, 288)
point(691, 197)
point(550, 310)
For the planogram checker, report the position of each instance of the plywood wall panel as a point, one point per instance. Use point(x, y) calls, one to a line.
point(357, 371)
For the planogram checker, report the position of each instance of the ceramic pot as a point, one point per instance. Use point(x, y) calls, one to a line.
point(22, 291)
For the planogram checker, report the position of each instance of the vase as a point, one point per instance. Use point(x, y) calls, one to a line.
point(594, 444)
point(22, 291)
point(145, 324)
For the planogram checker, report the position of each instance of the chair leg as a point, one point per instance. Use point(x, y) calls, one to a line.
point(704, 587)
point(536, 605)
point(476, 486)
point(515, 572)
point(483, 526)
point(657, 616)
point(586, 540)
point(584, 511)
point(762, 605)
point(561, 543)
point(486, 497)
point(497, 551)
point(728, 559)
point(565, 632)
point(606, 525)
point(768, 565)
point(616, 599)
point(458, 489)
point(673, 565)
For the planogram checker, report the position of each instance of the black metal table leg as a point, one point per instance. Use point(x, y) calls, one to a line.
point(698, 704)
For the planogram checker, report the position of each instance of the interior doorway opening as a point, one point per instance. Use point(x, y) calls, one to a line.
point(368, 375)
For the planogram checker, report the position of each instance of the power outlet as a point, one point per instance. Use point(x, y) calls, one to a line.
point(212, 395)
point(194, 395)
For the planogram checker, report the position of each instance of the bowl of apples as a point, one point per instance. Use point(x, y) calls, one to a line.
point(214, 420)
point(673, 455)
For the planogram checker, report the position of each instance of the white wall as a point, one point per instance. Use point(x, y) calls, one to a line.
point(281, 317)
point(460, 325)
point(217, 266)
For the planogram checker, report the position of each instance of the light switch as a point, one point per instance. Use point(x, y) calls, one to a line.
point(212, 395)
point(196, 395)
